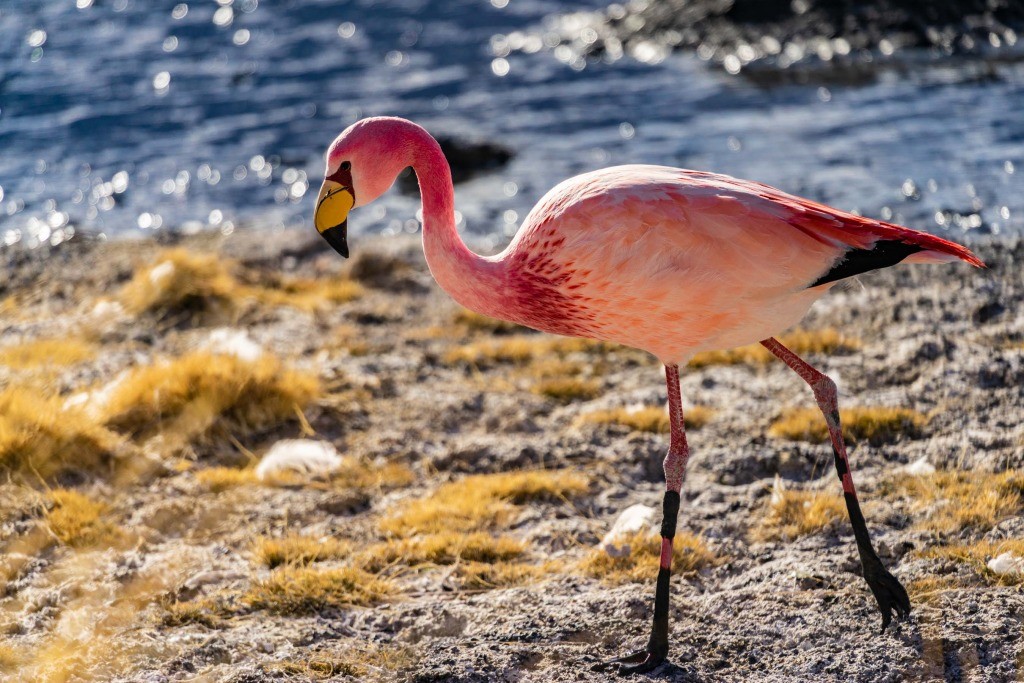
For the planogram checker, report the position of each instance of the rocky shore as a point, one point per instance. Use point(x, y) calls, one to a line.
point(440, 519)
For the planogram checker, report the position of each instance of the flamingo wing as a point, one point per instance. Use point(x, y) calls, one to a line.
point(866, 244)
point(741, 223)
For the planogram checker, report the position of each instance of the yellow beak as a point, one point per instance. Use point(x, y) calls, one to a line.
point(331, 216)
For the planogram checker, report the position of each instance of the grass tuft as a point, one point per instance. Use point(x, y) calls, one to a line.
point(873, 424)
point(793, 513)
point(219, 479)
point(475, 322)
point(204, 611)
point(443, 548)
point(521, 350)
point(305, 294)
point(360, 661)
point(304, 590)
point(689, 554)
point(76, 520)
point(298, 550)
point(568, 389)
point(46, 352)
point(40, 436)
point(487, 576)
point(976, 555)
point(649, 418)
point(10, 657)
point(800, 342)
point(188, 397)
point(359, 473)
point(952, 501)
point(181, 282)
point(481, 501)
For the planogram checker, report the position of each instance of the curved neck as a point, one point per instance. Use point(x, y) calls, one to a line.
point(472, 280)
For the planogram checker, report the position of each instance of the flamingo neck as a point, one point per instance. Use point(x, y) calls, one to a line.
point(470, 279)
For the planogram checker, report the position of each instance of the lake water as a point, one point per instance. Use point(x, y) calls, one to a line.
point(126, 117)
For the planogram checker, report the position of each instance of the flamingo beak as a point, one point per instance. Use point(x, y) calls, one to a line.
point(331, 216)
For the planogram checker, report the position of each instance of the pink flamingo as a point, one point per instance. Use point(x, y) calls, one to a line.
point(661, 259)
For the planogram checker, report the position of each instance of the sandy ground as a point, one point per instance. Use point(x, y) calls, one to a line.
point(945, 341)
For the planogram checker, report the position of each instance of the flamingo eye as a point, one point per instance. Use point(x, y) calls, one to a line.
point(346, 165)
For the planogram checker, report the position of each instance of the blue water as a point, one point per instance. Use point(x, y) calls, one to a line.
point(129, 117)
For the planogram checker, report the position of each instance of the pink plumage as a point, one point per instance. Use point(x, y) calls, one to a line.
point(662, 259)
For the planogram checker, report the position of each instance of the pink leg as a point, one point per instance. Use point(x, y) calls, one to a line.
point(888, 592)
point(675, 471)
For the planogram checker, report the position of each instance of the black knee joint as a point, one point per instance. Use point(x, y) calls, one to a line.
point(841, 466)
point(670, 511)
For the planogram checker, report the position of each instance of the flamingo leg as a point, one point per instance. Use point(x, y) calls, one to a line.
point(656, 651)
point(888, 591)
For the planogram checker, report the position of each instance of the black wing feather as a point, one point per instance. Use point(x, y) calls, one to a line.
point(882, 254)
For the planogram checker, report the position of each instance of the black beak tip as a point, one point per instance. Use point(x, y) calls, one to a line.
point(337, 237)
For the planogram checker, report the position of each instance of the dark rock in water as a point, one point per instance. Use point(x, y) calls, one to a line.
point(844, 37)
point(467, 159)
point(988, 311)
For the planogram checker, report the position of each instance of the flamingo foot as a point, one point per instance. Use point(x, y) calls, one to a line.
point(642, 661)
point(888, 591)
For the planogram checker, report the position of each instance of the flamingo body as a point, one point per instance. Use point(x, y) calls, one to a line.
point(675, 262)
point(662, 259)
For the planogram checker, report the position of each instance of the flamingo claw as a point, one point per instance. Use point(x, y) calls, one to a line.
point(889, 593)
point(639, 662)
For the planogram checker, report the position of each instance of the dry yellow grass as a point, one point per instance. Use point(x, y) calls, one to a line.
point(873, 424)
point(475, 322)
point(487, 576)
point(928, 590)
point(792, 514)
point(689, 553)
point(77, 520)
point(359, 473)
point(442, 548)
point(648, 418)
point(185, 398)
point(977, 555)
point(951, 501)
point(515, 350)
point(568, 389)
point(10, 657)
point(306, 294)
point(46, 353)
point(359, 660)
point(305, 590)
point(523, 349)
point(40, 436)
point(219, 479)
point(205, 611)
point(181, 282)
point(480, 501)
point(800, 342)
point(298, 550)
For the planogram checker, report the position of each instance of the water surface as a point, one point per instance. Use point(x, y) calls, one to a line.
point(127, 117)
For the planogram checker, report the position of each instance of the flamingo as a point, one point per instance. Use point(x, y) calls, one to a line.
point(666, 260)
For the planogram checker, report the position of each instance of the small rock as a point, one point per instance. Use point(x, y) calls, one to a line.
point(919, 467)
point(632, 520)
point(986, 312)
point(1007, 564)
point(303, 456)
point(235, 343)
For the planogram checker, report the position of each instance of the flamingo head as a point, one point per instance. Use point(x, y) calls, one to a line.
point(362, 164)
